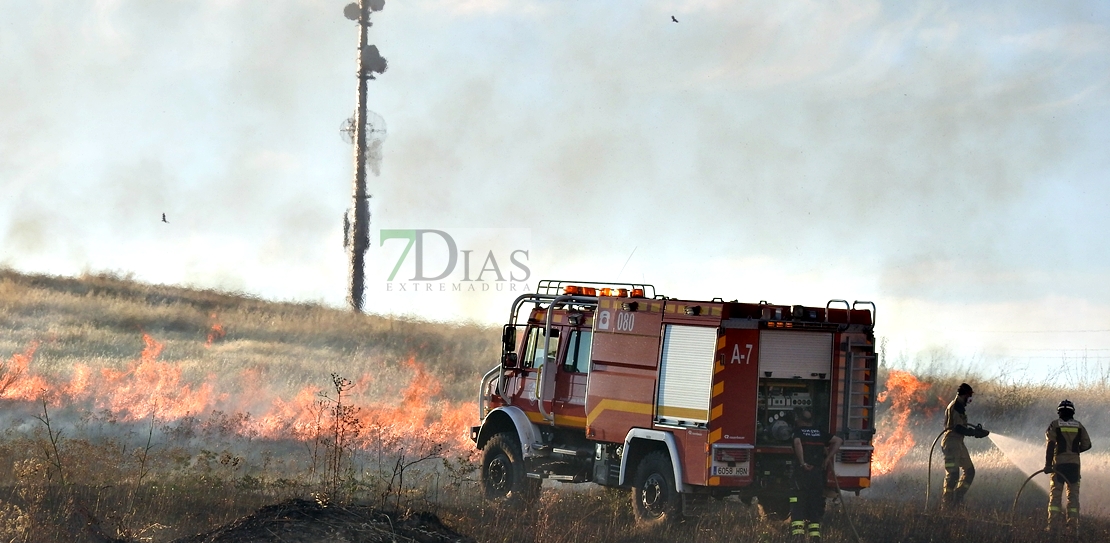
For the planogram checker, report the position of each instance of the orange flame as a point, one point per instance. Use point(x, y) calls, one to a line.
point(215, 333)
point(149, 386)
point(15, 381)
point(906, 395)
point(414, 418)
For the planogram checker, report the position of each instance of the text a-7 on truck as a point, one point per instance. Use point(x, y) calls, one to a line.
point(678, 400)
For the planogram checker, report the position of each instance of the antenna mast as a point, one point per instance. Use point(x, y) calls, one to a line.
point(358, 236)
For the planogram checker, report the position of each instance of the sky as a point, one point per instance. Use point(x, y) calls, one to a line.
point(944, 160)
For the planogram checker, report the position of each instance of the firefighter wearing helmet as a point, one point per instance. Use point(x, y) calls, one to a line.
point(1066, 438)
point(956, 457)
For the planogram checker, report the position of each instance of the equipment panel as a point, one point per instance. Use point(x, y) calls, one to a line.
point(777, 401)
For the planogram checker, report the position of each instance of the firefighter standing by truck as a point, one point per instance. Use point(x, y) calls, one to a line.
point(815, 451)
point(1066, 438)
point(956, 457)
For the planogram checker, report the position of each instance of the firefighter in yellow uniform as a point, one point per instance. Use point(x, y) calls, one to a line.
point(956, 457)
point(1066, 438)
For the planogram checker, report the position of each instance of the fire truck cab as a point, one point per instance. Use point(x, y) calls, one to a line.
point(676, 399)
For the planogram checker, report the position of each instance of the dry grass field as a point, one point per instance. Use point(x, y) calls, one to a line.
point(134, 412)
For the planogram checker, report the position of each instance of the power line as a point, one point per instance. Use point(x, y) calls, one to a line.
point(1064, 349)
point(1092, 331)
point(1104, 358)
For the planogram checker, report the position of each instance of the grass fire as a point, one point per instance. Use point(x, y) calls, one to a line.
point(135, 412)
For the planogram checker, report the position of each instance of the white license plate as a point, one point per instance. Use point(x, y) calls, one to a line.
point(727, 471)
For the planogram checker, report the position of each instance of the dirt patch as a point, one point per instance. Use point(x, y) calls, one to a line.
point(304, 521)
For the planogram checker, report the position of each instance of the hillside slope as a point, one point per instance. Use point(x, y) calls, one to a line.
point(99, 321)
point(134, 411)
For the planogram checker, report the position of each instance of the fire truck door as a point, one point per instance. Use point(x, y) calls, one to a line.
point(548, 366)
point(570, 384)
point(536, 365)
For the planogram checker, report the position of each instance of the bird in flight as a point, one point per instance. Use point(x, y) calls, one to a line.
point(673, 19)
point(164, 218)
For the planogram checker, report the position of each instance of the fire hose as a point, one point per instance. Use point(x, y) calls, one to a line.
point(844, 504)
point(1013, 509)
point(929, 483)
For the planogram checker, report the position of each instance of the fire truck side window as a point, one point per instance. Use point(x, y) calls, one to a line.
point(578, 351)
point(533, 350)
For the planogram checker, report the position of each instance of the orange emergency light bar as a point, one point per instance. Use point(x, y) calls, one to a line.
point(607, 291)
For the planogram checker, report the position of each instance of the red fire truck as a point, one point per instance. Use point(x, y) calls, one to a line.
point(677, 399)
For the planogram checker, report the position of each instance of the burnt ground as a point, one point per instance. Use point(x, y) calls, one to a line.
point(304, 521)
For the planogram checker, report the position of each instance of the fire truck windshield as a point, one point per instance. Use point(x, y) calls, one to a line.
point(533, 350)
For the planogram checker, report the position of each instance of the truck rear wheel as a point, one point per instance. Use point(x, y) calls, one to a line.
point(503, 475)
point(654, 498)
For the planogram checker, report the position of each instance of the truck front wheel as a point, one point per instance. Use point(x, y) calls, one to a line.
point(654, 498)
point(503, 473)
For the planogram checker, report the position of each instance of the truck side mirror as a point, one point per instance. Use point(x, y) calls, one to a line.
point(508, 339)
point(508, 360)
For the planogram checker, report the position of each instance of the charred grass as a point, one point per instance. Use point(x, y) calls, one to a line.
point(73, 472)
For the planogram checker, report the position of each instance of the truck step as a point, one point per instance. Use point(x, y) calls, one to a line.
point(548, 475)
point(572, 452)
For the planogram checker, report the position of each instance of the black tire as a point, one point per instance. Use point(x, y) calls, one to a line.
point(503, 476)
point(655, 501)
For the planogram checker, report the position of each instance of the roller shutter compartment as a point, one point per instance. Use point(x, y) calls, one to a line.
point(686, 374)
point(795, 355)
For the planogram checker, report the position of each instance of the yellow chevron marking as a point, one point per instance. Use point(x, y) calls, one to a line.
point(639, 408)
point(717, 411)
point(720, 343)
point(718, 389)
